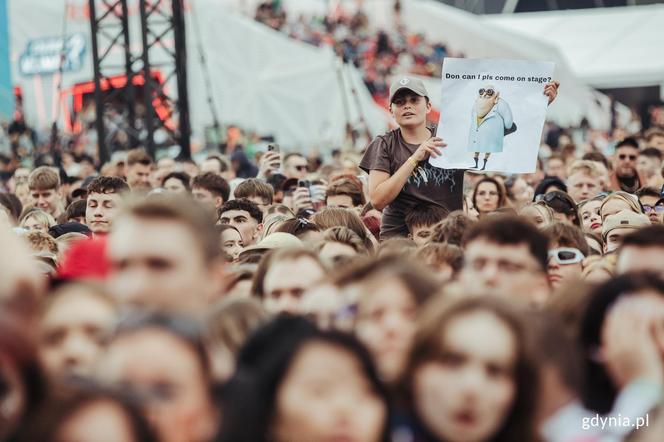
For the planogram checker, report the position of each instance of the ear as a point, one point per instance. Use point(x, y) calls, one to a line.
point(218, 202)
point(429, 107)
point(258, 230)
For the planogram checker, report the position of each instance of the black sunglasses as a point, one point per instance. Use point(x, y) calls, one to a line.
point(555, 199)
point(622, 156)
point(489, 92)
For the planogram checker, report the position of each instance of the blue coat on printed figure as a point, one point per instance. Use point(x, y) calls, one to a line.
point(487, 136)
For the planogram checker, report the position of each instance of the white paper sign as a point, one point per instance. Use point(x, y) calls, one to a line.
point(492, 114)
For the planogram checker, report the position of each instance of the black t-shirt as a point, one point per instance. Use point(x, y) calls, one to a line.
point(426, 185)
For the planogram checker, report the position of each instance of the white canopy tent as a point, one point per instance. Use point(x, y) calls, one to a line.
point(606, 47)
point(477, 37)
point(261, 79)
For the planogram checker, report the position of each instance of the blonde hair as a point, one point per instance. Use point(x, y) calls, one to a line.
point(628, 198)
point(44, 218)
point(585, 166)
point(543, 209)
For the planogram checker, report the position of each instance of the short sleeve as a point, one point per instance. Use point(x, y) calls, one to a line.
point(376, 157)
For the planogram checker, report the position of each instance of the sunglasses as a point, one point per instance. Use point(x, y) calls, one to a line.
point(622, 156)
point(659, 208)
point(566, 255)
point(553, 200)
point(488, 92)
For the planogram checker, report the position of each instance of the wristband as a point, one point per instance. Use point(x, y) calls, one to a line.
point(413, 161)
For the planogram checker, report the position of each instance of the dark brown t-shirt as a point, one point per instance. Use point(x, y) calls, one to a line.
point(426, 185)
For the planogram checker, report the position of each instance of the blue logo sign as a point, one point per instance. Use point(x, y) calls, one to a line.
point(42, 55)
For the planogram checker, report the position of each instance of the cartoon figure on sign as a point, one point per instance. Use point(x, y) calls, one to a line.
point(490, 121)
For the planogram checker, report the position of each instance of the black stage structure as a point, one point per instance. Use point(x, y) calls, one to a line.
point(163, 48)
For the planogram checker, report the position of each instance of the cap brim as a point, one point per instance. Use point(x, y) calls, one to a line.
point(401, 88)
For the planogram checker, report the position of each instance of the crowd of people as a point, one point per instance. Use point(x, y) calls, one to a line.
point(312, 299)
point(379, 54)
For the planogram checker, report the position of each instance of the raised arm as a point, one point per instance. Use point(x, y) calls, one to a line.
point(384, 188)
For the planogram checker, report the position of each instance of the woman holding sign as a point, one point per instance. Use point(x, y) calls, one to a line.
point(400, 176)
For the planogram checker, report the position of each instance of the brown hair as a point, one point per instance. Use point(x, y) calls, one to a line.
point(41, 242)
point(298, 227)
point(334, 216)
point(138, 156)
point(182, 210)
point(435, 318)
point(254, 187)
point(434, 254)
point(500, 188)
point(107, 184)
point(232, 320)
point(44, 178)
point(396, 246)
point(452, 228)
point(212, 182)
point(424, 215)
point(345, 236)
point(347, 187)
point(567, 235)
point(367, 271)
point(653, 132)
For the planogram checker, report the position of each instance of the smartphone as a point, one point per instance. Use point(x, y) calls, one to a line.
point(304, 183)
point(274, 147)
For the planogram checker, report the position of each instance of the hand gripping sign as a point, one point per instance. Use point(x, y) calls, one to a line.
point(492, 114)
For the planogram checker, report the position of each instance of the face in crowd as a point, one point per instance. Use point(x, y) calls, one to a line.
point(48, 200)
point(653, 206)
point(243, 222)
point(73, 331)
point(100, 211)
point(487, 197)
point(231, 242)
point(464, 373)
point(326, 396)
point(295, 166)
point(581, 186)
point(152, 272)
point(138, 176)
point(286, 281)
point(591, 218)
point(507, 269)
point(624, 160)
point(564, 265)
point(409, 109)
point(386, 324)
point(166, 371)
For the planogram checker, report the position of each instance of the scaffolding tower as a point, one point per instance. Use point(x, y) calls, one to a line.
point(163, 50)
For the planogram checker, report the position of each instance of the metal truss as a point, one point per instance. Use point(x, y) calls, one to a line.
point(162, 60)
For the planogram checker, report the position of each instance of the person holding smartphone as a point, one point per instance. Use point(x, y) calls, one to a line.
point(400, 176)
